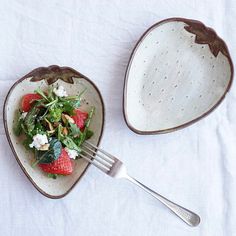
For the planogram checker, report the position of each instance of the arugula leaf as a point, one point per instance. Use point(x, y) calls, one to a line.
point(67, 106)
point(54, 114)
point(68, 142)
point(17, 129)
point(90, 115)
point(39, 103)
point(53, 176)
point(75, 103)
point(74, 130)
point(51, 154)
point(59, 132)
point(70, 103)
point(27, 142)
point(53, 102)
point(88, 134)
point(41, 93)
point(82, 137)
point(38, 129)
point(50, 96)
point(29, 121)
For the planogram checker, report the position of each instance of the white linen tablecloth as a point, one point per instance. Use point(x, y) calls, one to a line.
point(196, 166)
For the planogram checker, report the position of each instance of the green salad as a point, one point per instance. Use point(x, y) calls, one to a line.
point(55, 127)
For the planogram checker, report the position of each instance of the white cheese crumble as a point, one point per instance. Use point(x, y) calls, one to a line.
point(60, 91)
point(24, 114)
point(38, 141)
point(72, 153)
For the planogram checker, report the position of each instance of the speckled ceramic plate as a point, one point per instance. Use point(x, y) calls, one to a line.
point(74, 82)
point(179, 71)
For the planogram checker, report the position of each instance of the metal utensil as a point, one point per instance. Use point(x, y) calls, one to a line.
point(115, 168)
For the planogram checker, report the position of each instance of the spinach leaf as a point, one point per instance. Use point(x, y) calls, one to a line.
point(88, 134)
point(51, 154)
point(29, 121)
point(68, 142)
point(17, 128)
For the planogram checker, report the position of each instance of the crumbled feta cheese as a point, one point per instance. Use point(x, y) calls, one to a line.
point(24, 114)
point(60, 91)
point(39, 140)
point(72, 153)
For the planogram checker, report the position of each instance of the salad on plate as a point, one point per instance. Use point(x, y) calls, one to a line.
point(54, 127)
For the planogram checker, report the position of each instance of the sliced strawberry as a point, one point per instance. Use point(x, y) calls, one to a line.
point(62, 166)
point(27, 100)
point(80, 117)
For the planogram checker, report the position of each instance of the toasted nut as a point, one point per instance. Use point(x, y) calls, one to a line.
point(49, 124)
point(51, 131)
point(65, 131)
point(55, 124)
point(63, 118)
point(44, 147)
point(66, 118)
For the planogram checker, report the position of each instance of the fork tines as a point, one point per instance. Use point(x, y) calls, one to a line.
point(96, 156)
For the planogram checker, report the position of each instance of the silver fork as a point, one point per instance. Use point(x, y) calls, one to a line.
point(115, 168)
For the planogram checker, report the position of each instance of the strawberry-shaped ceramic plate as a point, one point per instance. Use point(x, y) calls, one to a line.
point(74, 82)
point(179, 71)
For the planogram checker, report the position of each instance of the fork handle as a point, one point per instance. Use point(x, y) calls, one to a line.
point(186, 215)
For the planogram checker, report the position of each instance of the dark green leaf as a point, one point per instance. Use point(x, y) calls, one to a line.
point(50, 155)
point(74, 130)
point(39, 103)
point(29, 121)
point(27, 142)
point(53, 176)
point(17, 129)
point(41, 93)
point(38, 129)
point(68, 142)
point(82, 137)
point(90, 115)
point(68, 107)
point(89, 134)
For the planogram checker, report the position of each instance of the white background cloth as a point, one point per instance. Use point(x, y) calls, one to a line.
point(196, 166)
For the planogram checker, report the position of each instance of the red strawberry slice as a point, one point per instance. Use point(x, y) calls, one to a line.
point(62, 166)
point(80, 117)
point(27, 100)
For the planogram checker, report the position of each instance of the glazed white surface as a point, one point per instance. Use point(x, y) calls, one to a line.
point(196, 166)
point(172, 80)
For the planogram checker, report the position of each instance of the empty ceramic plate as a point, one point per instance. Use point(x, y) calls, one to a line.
point(74, 82)
point(178, 72)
